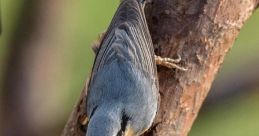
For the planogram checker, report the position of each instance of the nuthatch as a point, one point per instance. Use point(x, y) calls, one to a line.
point(123, 89)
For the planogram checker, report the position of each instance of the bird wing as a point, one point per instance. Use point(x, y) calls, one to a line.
point(127, 38)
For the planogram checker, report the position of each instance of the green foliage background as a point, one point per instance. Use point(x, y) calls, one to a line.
point(81, 23)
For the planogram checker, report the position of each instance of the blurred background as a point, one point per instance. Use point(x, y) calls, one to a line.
point(46, 56)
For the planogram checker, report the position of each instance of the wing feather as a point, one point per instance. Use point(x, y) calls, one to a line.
point(127, 36)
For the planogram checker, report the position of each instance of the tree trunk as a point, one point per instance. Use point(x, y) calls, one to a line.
point(201, 32)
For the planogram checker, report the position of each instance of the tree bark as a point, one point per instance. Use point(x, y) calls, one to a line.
point(201, 32)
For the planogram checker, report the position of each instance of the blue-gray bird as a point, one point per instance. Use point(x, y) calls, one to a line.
point(123, 89)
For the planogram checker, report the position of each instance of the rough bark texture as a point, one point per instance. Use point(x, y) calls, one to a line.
point(201, 32)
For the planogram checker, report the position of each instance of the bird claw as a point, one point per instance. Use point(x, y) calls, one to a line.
point(83, 119)
point(166, 62)
point(169, 63)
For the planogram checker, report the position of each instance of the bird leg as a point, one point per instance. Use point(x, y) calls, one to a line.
point(169, 63)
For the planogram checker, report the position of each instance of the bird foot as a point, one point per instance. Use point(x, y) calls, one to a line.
point(169, 63)
point(83, 119)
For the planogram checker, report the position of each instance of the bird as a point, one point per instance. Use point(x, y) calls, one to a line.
point(123, 88)
point(123, 91)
